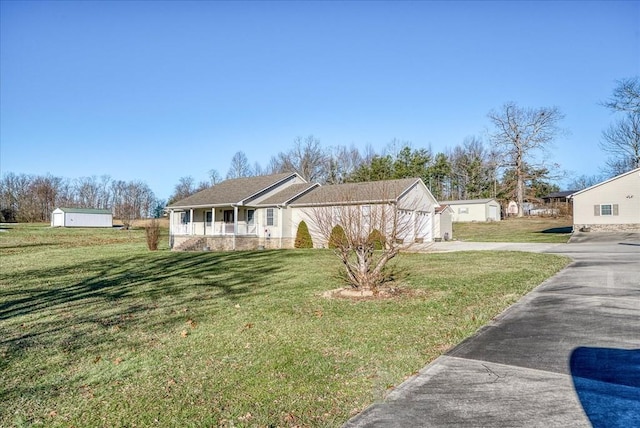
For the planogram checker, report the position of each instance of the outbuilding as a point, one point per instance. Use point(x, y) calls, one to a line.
point(474, 210)
point(613, 205)
point(81, 217)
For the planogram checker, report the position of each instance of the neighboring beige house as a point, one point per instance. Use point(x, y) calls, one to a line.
point(613, 205)
point(264, 211)
point(474, 210)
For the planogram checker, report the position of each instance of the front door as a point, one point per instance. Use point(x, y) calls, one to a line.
point(228, 221)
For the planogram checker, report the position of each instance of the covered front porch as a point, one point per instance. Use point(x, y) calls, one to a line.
point(214, 221)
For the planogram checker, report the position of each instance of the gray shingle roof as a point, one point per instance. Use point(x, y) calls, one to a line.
point(287, 194)
point(85, 210)
point(467, 201)
point(349, 193)
point(231, 191)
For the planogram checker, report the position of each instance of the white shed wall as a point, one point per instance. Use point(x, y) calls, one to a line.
point(87, 220)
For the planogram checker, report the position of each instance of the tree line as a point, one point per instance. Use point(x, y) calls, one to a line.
point(513, 164)
point(32, 198)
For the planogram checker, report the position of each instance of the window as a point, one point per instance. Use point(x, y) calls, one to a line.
point(250, 216)
point(184, 217)
point(606, 209)
point(208, 218)
point(271, 217)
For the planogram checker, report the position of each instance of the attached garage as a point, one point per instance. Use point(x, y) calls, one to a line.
point(81, 217)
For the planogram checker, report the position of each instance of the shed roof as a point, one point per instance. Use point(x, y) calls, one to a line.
point(563, 194)
point(468, 201)
point(234, 191)
point(84, 210)
point(350, 193)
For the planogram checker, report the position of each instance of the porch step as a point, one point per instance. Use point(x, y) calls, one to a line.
point(193, 244)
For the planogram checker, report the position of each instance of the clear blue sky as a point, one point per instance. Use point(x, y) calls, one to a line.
point(159, 90)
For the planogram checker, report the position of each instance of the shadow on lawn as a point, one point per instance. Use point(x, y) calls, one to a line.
point(126, 290)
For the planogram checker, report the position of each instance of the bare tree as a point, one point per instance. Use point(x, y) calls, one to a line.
point(183, 189)
point(388, 223)
point(214, 176)
point(239, 166)
point(520, 135)
point(307, 158)
point(621, 141)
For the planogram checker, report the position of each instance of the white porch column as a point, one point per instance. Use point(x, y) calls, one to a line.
point(191, 221)
point(235, 225)
point(171, 222)
point(213, 221)
point(280, 225)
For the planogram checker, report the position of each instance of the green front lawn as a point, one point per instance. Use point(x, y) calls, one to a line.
point(97, 331)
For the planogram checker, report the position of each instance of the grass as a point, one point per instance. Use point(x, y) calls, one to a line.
point(95, 330)
point(525, 229)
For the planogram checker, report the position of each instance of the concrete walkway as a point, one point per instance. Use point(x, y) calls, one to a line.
point(566, 355)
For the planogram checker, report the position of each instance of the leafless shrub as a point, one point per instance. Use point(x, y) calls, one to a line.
point(382, 222)
point(152, 232)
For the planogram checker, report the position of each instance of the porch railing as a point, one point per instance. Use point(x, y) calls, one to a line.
point(219, 229)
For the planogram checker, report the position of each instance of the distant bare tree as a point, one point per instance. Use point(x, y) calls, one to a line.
point(214, 177)
point(342, 162)
point(585, 181)
point(239, 166)
point(391, 224)
point(519, 135)
point(307, 158)
point(183, 189)
point(621, 141)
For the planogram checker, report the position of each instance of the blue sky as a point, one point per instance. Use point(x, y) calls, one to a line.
point(155, 91)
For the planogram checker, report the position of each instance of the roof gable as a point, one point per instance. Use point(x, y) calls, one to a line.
point(617, 177)
point(234, 191)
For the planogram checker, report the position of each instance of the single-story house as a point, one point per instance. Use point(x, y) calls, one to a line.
point(612, 205)
point(265, 211)
point(474, 210)
point(81, 217)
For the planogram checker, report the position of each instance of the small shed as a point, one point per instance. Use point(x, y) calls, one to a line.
point(474, 210)
point(443, 223)
point(81, 217)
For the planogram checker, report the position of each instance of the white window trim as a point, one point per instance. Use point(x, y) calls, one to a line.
point(611, 210)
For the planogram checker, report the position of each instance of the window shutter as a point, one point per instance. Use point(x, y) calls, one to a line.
point(615, 209)
point(596, 210)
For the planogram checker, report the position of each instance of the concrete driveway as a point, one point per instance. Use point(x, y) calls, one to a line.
point(566, 355)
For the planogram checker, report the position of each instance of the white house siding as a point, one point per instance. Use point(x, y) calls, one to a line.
point(622, 193)
point(474, 210)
